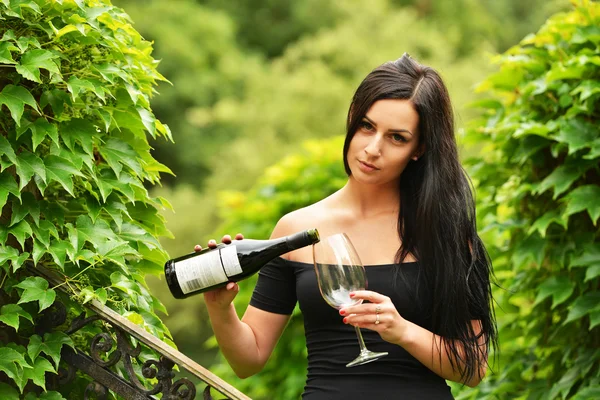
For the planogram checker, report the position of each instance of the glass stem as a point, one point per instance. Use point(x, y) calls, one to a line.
point(361, 342)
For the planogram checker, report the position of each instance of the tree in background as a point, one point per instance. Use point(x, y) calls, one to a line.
point(539, 207)
point(75, 86)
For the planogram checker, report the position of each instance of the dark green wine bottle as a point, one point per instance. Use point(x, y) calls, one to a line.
point(213, 268)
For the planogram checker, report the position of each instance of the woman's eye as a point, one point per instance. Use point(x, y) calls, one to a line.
point(366, 126)
point(396, 137)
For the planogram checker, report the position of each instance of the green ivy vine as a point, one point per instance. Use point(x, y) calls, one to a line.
point(75, 86)
point(538, 181)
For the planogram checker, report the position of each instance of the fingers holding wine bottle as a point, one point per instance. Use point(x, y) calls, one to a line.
point(212, 243)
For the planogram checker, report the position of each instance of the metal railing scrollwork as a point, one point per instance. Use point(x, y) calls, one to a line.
point(113, 362)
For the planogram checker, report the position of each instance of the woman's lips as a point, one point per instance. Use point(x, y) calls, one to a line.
point(366, 167)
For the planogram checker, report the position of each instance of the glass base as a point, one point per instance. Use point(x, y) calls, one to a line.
point(366, 357)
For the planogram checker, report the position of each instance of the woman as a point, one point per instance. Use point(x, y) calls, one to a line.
point(409, 211)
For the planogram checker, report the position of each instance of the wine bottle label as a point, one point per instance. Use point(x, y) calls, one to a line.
point(200, 272)
point(231, 263)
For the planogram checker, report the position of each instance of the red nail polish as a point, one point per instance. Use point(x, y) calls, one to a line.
point(352, 295)
point(345, 319)
point(342, 312)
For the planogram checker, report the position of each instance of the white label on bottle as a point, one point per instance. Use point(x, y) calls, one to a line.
point(230, 260)
point(200, 272)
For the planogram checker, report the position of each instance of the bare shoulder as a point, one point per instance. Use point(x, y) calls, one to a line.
point(304, 218)
point(322, 215)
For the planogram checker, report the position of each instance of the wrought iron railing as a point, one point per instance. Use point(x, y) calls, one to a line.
point(111, 360)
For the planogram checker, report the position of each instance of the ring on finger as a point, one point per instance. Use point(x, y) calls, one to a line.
point(377, 309)
point(376, 319)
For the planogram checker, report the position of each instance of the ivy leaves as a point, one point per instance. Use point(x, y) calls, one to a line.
point(540, 191)
point(15, 98)
point(75, 118)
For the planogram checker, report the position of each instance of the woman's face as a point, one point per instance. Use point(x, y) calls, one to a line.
point(385, 142)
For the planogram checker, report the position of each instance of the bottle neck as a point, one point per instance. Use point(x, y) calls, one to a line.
point(302, 239)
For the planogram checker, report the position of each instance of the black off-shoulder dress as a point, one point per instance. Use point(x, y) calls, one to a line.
point(332, 344)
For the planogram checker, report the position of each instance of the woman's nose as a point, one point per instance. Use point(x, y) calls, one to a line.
point(373, 148)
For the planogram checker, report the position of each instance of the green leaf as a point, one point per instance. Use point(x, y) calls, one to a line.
point(79, 130)
point(586, 89)
point(17, 7)
point(584, 305)
point(61, 170)
point(590, 255)
point(76, 86)
point(561, 179)
point(52, 395)
point(39, 130)
point(66, 29)
point(87, 294)
point(577, 134)
point(21, 231)
point(5, 54)
point(129, 119)
point(110, 72)
point(15, 98)
point(541, 224)
point(51, 346)
point(127, 285)
point(594, 319)
point(8, 186)
point(43, 231)
point(592, 272)
point(588, 393)
point(532, 248)
point(57, 99)
point(101, 295)
point(7, 150)
point(94, 233)
point(117, 152)
point(38, 251)
point(38, 373)
point(116, 210)
point(58, 250)
point(148, 120)
point(584, 198)
point(29, 206)
point(8, 253)
point(560, 288)
point(10, 313)
point(7, 392)
point(24, 42)
point(33, 60)
point(28, 165)
point(12, 363)
point(36, 289)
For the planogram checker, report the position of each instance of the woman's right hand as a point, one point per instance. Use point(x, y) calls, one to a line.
point(221, 297)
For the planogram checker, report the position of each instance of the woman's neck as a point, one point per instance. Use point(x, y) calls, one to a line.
point(370, 200)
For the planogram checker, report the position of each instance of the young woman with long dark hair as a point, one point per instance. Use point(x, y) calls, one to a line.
point(409, 210)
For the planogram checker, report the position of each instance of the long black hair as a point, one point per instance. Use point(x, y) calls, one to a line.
point(436, 222)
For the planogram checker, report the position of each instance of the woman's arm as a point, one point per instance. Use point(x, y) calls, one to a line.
point(430, 350)
point(246, 343)
point(425, 346)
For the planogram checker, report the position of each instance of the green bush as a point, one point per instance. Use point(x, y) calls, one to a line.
point(539, 204)
point(75, 84)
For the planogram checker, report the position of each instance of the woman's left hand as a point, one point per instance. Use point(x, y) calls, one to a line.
point(379, 315)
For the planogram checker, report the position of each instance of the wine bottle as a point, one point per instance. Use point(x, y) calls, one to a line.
point(213, 268)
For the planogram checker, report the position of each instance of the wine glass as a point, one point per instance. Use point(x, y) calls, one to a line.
point(340, 272)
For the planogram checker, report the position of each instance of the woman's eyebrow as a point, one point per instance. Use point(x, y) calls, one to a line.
point(389, 130)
